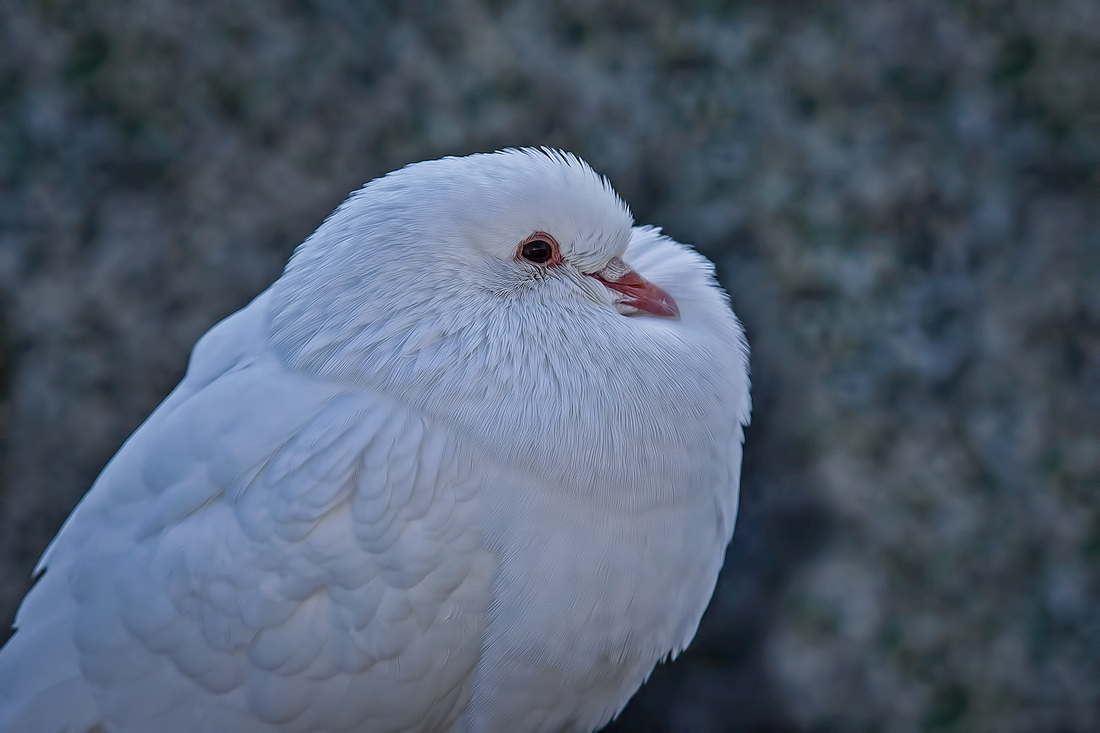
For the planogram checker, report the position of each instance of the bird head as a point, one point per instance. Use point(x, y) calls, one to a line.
point(505, 291)
point(534, 228)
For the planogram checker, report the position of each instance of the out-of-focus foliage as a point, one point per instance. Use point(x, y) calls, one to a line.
point(902, 197)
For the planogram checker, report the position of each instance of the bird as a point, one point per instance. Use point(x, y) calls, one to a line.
point(470, 464)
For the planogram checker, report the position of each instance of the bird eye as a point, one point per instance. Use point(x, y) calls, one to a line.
point(538, 251)
point(540, 248)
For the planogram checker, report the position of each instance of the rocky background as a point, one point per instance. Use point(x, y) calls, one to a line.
point(903, 199)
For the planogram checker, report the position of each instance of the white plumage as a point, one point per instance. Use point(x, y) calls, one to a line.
point(427, 481)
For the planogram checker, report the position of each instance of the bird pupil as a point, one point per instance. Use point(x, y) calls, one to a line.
point(537, 251)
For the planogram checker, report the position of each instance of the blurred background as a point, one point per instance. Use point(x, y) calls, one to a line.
point(903, 199)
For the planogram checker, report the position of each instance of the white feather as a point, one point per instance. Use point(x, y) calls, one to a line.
point(415, 486)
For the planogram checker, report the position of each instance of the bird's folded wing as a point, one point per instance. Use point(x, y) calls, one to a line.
point(270, 553)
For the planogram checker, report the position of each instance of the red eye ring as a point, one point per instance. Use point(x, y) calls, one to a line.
point(534, 250)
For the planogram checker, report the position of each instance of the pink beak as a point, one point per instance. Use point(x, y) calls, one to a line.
point(637, 295)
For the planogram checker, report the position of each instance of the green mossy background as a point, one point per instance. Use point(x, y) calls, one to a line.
point(903, 199)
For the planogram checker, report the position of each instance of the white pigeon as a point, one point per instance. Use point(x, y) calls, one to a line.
point(471, 464)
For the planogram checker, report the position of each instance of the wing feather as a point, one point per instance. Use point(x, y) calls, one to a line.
point(269, 552)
